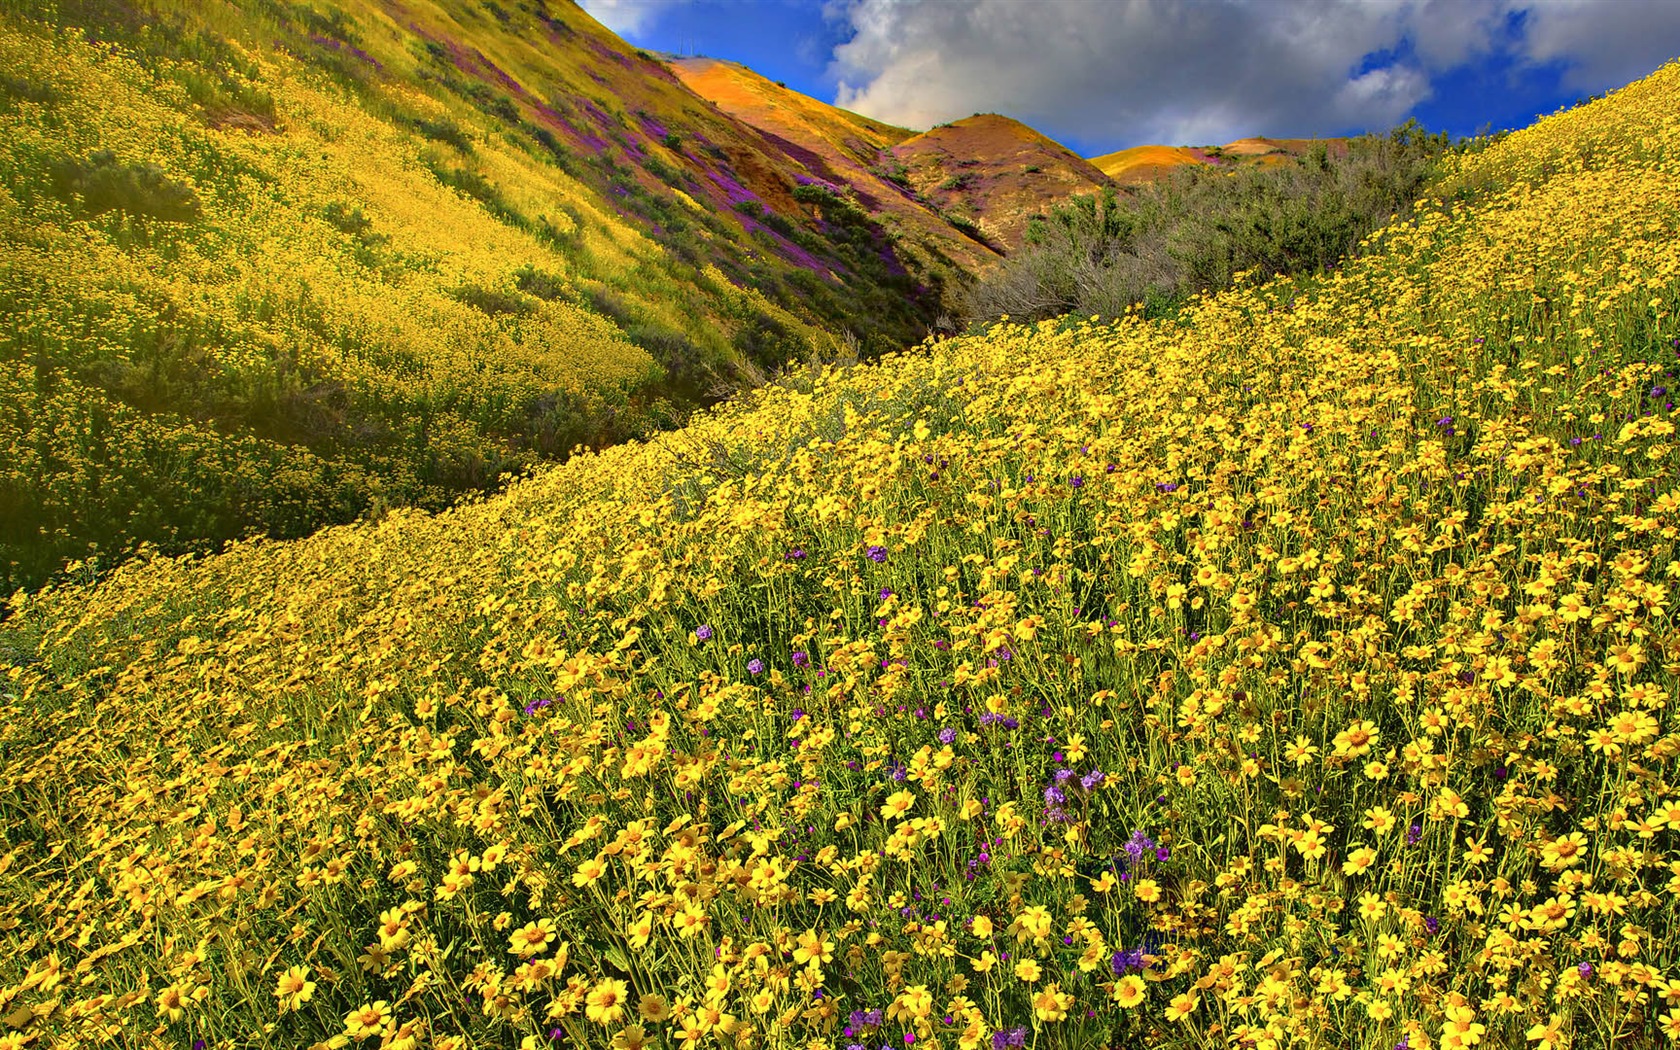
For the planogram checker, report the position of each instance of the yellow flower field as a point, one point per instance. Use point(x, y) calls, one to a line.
point(1296, 672)
point(245, 296)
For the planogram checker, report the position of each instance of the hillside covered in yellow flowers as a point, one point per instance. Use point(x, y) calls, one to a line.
point(270, 269)
point(1296, 670)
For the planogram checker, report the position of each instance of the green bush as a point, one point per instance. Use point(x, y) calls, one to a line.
point(103, 183)
point(1195, 229)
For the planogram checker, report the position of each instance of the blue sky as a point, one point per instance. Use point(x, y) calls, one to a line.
point(1100, 75)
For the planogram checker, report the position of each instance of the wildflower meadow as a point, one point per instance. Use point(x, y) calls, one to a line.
point(1296, 670)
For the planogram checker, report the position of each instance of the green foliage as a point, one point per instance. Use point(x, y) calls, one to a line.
point(103, 183)
point(896, 173)
point(540, 283)
point(443, 130)
point(494, 301)
point(767, 342)
point(1196, 229)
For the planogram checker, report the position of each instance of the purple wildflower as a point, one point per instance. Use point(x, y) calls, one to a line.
point(876, 554)
point(1135, 846)
point(755, 666)
point(1122, 962)
point(703, 632)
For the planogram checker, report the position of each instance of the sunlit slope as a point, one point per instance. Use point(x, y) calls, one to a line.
point(843, 150)
point(995, 173)
point(764, 104)
point(1148, 163)
point(1302, 663)
point(1144, 163)
point(273, 268)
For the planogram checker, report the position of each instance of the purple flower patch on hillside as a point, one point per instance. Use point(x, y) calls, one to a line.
point(618, 58)
point(884, 250)
point(556, 122)
point(597, 116)
point(789, 250)
point(652, 128)
point(733, 191)
point(334, 44)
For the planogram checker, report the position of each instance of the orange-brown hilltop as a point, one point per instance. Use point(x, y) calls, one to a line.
point(1141, 164)
point(995, 171)
point(838, 147)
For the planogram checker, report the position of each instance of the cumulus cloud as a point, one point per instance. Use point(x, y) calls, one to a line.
point(627, 16)
point(1602, 43)
point(1209, 72)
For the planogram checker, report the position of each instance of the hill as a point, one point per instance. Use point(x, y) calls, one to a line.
point(1141, 164)
point(995, 173)
point(1192, 227)
point(276, 268)
point(1300, 662)
point(851, 154)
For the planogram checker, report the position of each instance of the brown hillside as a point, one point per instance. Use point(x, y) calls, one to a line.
point(996, 172)
point(1147, 163)
point(848, 152)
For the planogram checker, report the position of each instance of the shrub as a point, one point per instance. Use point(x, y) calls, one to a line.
point(493, 301)
point(103, 183)
point(443, 130)
point(1197, 228)
point(540, 283)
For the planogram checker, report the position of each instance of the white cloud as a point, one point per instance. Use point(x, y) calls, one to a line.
point(1134, 71)
point(1603, 43)
point(627, 16)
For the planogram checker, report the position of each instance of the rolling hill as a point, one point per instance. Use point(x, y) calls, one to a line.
point(995, 173)
point(846, 152)
point(1301, 662)
point(275, 269)
point(276, 265)
point(1147, 163)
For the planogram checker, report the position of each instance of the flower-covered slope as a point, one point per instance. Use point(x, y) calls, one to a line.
point(1296, 671)
point(271, 267)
